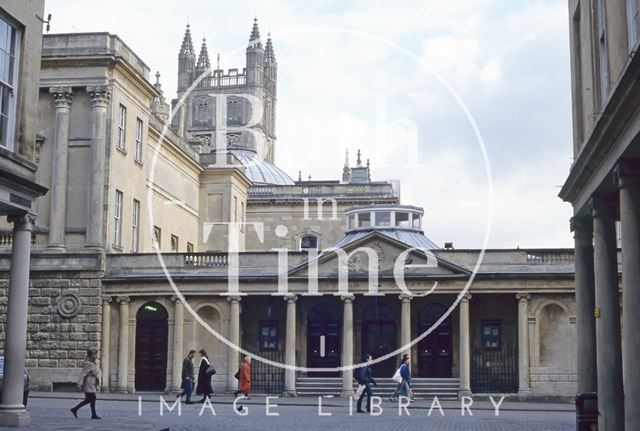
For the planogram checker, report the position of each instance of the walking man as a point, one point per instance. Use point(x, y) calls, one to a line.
point(88, 383)
point(187, 377)
point(365, 377)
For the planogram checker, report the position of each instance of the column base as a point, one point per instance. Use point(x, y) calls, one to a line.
point(524, 393)
point(290, 393)
point(14, 418)
point(346, 394)
point(464, 393)
point(56, 247)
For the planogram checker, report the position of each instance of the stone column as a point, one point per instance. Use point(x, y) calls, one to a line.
point(290, 348)
point(12, 411)
point(62, 98)
point(609, 354)
point(524, 388)
point(123, 344)
point(100, 97)
point(582, 228)
point(178, 343)
point(465, 347)
point(628, 175)
point(106, 338)
point(234, 339)
point(347, 345)
point(405, 322)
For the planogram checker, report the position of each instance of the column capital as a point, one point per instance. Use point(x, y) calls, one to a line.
point(123, 299)
point(581, 226)
point(107, 299)
point(234, 298)
point(176, 300)
point(523, 297)
point(22, 221)
point(100, 95)
point(466, 297)
point(405, 297)
point(627, 172)
point(347, 297)
point(62, 96)
point(290, 298)
point(602, 205)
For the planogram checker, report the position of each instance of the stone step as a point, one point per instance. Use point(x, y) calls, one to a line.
point(445, 388)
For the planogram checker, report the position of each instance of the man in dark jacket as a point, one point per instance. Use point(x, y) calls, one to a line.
point(187, 376)
point(365, 377)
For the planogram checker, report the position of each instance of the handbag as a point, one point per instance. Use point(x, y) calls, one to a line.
point(358, 393)
point(237, 375)
point(397, 376)
point(211, 371)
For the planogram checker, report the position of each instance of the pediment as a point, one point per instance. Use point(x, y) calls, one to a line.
point(389, 254)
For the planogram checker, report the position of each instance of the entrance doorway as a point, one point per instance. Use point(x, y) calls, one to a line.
point(435, 353)
point(151, 347)
point(323, 340)
point(379, 337)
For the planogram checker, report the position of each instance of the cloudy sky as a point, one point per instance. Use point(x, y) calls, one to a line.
point(418, 86)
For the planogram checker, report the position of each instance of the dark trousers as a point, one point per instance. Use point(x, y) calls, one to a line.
point(368, 392)
point(89, 398)
point(188, 389)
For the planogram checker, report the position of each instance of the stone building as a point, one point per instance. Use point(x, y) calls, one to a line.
point(127, 178)
point(604, 189)
point(20, 45)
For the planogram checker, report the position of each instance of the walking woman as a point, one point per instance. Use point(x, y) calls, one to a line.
point(244, 378)
point(404, 387)
point(88, 383)
point(205, 371)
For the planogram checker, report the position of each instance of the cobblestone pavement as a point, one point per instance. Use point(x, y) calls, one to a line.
point(53, 414)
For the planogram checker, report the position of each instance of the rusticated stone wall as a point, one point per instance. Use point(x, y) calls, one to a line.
point(65, 315)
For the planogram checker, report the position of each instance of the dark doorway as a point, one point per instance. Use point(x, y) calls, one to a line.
point(379, 337)
point(151, 347)
point(435, 353)
point(323, 340)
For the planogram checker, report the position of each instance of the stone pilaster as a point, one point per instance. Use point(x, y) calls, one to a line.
point(465, 347)
point(100, 97)
point(178, 343)
point(123, 344)
point(347, 345)
point(12, 411)
point(582, 228)
point(106, 338)
point(234, 339)
point(628, 175)
point(524, 388)
point(608, 341)
point(290, 347)
point(62, 98)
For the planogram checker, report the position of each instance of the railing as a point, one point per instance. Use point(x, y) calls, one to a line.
point(267, 378)
point(549, 257)
point(6, 238)
point(206, 260)
point(494, 372)
point(219, 79)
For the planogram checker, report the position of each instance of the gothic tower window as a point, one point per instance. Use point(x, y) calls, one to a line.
point(234, 113)
point(202, 111)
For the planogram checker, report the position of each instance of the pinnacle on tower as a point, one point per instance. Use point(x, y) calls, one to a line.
point(269, 54)
point(359, 161)
point(203, 59)
point(187, 43)
point(254, 39)
point(346, 171)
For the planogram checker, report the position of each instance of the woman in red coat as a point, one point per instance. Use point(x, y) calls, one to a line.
point(244, 379)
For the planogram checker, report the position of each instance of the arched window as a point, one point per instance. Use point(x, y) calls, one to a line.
point(308, 242)
point(234, 114)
